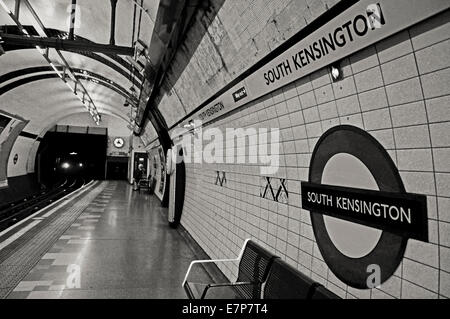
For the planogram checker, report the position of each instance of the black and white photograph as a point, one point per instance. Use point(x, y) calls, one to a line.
point(224, 158)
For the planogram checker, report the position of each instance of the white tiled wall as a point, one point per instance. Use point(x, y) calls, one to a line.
point(399, 91)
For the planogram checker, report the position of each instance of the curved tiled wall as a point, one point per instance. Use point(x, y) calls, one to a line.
point(396, 90)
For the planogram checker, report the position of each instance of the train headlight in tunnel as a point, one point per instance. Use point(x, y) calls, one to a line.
point(65, 165)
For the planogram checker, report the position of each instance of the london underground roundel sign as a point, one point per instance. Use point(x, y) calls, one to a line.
point(360, 212)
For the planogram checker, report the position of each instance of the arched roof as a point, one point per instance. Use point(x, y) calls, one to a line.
point(31, 89)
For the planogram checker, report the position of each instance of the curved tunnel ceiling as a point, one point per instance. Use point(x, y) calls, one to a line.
point(32, 90)
point(111, 60)
point(43, 107)
point(17, 78)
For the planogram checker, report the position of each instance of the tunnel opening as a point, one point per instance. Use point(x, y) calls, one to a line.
point(71, 155)
point(117, 168)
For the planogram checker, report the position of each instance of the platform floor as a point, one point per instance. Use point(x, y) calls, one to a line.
point(118, 245)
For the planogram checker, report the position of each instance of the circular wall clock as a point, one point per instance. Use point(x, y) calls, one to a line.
point(119, 142)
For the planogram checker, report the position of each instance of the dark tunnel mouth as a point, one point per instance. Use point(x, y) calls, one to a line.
point(70, 154)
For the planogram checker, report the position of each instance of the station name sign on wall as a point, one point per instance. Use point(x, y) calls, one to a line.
point(338, 38)
point(363, 24)
point(402, 214)
point(212, 110)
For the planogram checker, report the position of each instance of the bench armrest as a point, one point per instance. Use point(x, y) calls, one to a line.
point(232, 284)
point(195, 262)
point(213, 261)
point(229, 284)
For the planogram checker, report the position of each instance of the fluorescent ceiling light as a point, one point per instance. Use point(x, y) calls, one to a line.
point(56, 70)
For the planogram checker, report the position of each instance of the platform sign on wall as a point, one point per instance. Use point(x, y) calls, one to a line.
point(155, 166)
point(162, 162)
point(402, 214)
point(361, 214)
point(363, 24)
point(211, 111)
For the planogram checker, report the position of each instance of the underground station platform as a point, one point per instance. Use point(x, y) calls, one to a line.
point(226, 156)
point(100, 242)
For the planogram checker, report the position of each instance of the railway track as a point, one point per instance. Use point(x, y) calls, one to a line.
point(12, 213)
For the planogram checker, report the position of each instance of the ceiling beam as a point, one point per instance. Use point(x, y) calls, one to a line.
point(17, 9)
point(67, 45)
point(91, 106)
point(73, 13)
point(112, 39)
point(136, 80)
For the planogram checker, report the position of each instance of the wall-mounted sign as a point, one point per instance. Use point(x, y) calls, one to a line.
point(16, 159)
point(211, 111)
point(336, 39)
point(361, 25)
point(118, 154)
point(402, 214)
point(240, 94)
point(357, 228)
point(162, 162)
point(155, 166)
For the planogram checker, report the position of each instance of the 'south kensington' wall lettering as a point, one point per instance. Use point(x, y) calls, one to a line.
point(359, 26)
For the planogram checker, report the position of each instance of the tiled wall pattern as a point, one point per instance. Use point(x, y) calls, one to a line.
point(397, 90)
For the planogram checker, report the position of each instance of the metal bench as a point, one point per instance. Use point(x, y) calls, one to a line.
point(320, 292)
point(286, 282)
point(254, 264)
